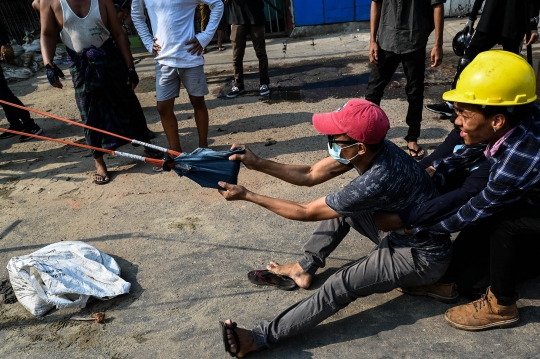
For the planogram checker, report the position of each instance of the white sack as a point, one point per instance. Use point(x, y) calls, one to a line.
point(64, 274)
point(19, 73)
point(33, 46)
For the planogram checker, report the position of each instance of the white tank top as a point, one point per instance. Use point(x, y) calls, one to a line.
point(79, 33)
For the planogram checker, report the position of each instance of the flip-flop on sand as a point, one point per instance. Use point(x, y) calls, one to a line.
point(100, 179)
point(416, 153)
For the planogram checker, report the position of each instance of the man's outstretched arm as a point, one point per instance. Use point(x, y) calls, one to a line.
point(299, 175)
point(317, 210)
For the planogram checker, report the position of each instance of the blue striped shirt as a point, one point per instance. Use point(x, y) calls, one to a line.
point(514, 175)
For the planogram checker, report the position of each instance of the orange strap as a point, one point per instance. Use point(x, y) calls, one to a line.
point(174, 153)
point(145, 159)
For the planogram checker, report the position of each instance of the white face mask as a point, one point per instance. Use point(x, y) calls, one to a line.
point(335, 151)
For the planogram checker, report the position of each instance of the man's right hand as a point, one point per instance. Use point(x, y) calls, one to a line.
point(155, 48)
point(54, 74)
point(374, 53)
point(248, 158)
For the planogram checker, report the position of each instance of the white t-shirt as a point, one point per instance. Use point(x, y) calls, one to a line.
point(173, 25)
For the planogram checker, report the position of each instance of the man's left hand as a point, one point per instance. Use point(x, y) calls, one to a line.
point(533, 39)
point(436, 56)
point(133, 78)
point(232, 192)
point(196, 48)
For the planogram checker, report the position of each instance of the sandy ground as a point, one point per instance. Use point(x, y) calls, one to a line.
point(186, 251)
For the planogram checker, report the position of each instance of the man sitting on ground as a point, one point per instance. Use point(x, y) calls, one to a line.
point(388, 180)
point(499, 228)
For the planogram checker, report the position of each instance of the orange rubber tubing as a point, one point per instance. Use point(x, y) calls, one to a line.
point(111, 152)
point(174, 153)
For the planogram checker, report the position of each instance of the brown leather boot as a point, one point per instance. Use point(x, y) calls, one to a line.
point(445, 293)
point(483, 313)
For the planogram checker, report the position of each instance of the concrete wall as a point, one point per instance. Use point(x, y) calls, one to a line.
point(457, 7)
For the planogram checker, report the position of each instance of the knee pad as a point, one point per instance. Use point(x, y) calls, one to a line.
point(462, 64)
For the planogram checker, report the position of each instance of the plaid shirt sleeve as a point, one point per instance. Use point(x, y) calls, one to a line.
point(514, 172)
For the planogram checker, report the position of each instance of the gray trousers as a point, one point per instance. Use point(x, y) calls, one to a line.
point(382, 270)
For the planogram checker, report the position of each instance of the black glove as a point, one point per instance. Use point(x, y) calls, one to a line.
point(54, 74)
point(133, 78)
point(469, 29)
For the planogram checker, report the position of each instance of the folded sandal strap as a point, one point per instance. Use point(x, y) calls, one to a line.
point(232, 327)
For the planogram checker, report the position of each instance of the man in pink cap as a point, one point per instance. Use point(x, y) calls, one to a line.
point(389, 180)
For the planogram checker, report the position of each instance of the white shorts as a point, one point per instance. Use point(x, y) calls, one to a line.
point(168, 80)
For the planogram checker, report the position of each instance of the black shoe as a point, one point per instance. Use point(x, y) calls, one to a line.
point(441, 108)
point(5, 135)
point(34, 130)
point(235, 91)
point(151, 135)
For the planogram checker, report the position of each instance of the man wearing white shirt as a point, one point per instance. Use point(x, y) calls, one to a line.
point(178, 57)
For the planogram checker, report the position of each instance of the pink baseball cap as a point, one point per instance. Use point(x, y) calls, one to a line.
point(359, 119)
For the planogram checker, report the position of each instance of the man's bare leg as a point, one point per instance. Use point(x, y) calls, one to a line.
point(247, 344)
point(169, 123)
point(201, 119)
point(293, 271)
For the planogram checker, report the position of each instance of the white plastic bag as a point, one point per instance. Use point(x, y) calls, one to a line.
point(17, 73)
point(64, 275)
point(17, 49)
point(33, 46)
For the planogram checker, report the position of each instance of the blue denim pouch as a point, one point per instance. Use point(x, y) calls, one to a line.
point(207, 167)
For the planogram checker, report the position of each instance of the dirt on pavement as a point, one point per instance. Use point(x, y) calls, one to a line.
point(186, 251)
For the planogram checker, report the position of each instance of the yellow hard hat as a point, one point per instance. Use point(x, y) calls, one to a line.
point(495, 78)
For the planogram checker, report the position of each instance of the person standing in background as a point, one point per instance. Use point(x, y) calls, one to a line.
point(247, 17)
point(178, 55)
point(102, 71)
point(399, 33)
point(19, 120)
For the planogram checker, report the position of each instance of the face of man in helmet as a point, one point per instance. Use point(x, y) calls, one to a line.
point(475, 127)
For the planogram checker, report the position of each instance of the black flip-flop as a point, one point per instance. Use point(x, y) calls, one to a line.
point(106, 179)
point(224, 328)
point(417, 157)
point(265, 277)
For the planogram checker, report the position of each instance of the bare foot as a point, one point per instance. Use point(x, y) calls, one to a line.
point(101, 176)
point(293, 271)
point(247, 344)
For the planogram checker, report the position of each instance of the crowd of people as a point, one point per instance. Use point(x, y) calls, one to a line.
point(483, 181)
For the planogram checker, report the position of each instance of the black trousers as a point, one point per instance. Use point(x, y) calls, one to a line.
point(481, 42)
point(414, 66)
point(238, 40)
point(17, 118)
point(498, 251)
